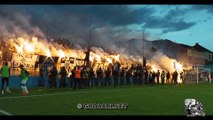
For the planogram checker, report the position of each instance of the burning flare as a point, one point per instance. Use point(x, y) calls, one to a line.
point(109, 60)
point(28, 47)
point(48, 53)
point(19, 49)
point(117, 57)
point(154, 68)
point(98, 58)
point(44, 47)
point(61, 54)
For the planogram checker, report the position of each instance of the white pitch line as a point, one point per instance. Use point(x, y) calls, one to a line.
point(36, 95)
point(5, 113)
point(70, 92)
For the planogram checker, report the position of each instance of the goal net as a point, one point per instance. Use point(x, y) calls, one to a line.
point(198, 75)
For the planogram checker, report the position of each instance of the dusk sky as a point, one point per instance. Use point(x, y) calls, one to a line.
point(186, 24)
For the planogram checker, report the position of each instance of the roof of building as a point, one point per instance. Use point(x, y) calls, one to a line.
point(201, 48)
point(197, 46)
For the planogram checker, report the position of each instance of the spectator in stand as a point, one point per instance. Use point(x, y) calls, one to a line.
point(72, 77)
point(115, 77)
point(85, 77)
point(128, 76)
point(91, 78)
point(140, 75)
point(182, 77)
point(167, 77)
point(63, 74)
point(122, 73)
point(41, 78)
point(150, 78)
point(146, 76)
point(99, 76)
point(158, 76)
point(162, 77)
point(175, 76)
point(77, 80)
point(52, 77)
point(135, 78)
point(107, 77)
point(153, 77)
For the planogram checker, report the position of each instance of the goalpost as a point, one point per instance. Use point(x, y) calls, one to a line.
point(199, 74)
point(203, 74)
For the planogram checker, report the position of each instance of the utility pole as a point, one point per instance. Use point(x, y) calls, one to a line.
point(87, 60)
point(144, 59)
point(143, 43)
point(90, 33)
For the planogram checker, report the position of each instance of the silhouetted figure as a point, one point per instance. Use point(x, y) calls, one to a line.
point(91, 78)
point(63, 74)
point(107, 77)
point(158, 76)
point(99, 77)
point(135, 77)
point(167, 77)
point(153, 77)
point(140, 75)
point(128, 76)
point(163, 77)
point(41, 82)
point(175, 76)
point(52, 76)
point(72, 77)
point(146, 74)
point(122, 73)
point(85, 77)
point(182, 77)
point(115, 77)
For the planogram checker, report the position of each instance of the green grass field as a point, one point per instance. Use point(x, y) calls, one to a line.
point(141, 100)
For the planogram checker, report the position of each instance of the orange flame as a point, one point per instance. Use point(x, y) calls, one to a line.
point(117, 57)
point(19, 49)
point(98, 58)
point(61, 54)
point(48, 53)
point(91, 58)
point(109, 60)
point(43, 47)
point(28, 47)
point(154, 68)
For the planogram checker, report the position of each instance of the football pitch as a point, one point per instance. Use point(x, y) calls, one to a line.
point(139, 100)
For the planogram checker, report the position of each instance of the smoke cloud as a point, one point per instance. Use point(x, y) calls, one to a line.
point(107, 38)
